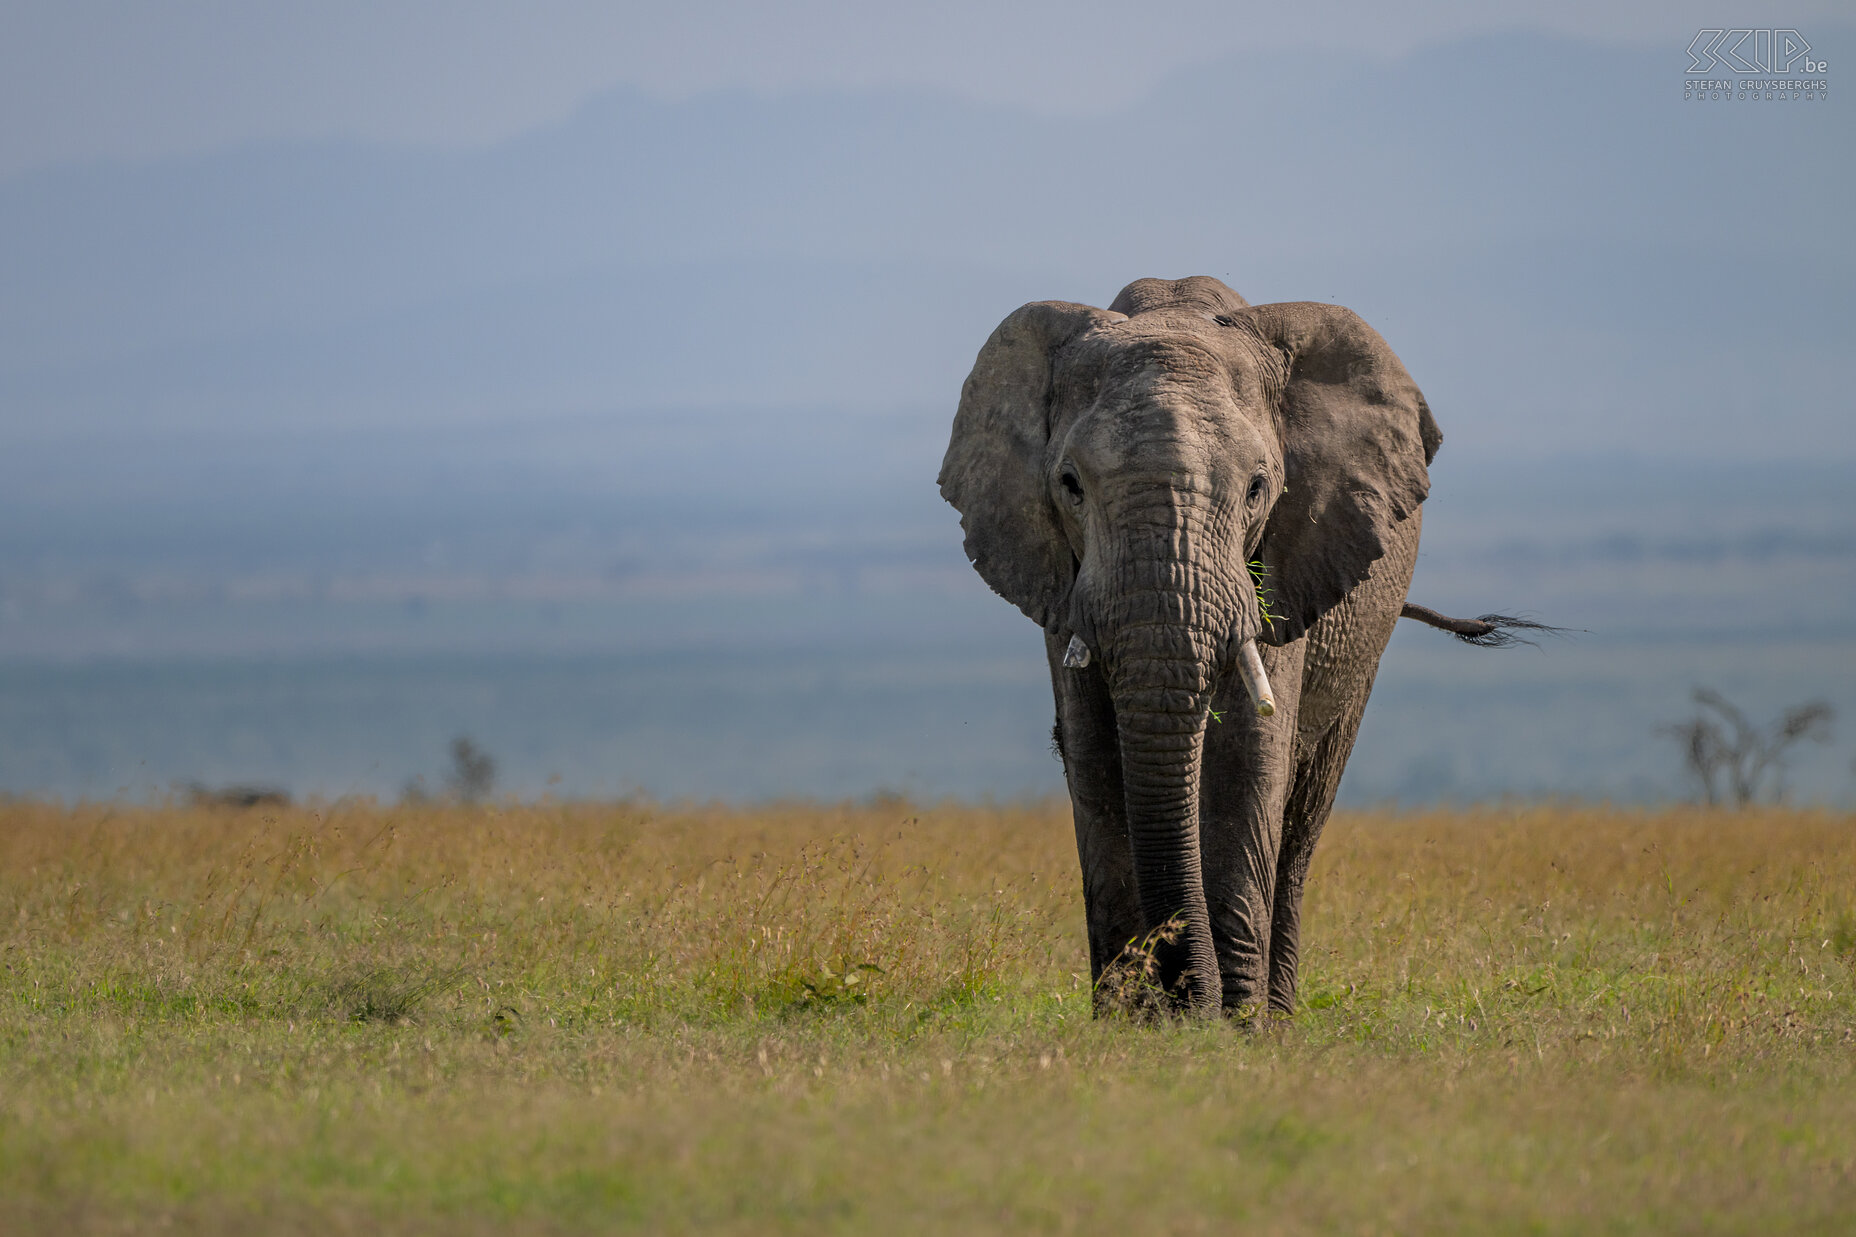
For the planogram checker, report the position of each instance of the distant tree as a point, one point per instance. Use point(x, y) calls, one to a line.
point(1731, 758)
point(473, 772)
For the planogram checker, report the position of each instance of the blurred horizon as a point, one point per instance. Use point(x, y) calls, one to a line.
point(610, 437)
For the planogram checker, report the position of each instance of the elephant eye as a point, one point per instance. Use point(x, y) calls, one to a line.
point(1256, 490)
point(1072, 487)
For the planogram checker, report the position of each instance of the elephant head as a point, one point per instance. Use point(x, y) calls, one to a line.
point(1164, 482)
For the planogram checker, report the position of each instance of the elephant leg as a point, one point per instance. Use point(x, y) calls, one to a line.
point(1249, 763)
point(1091, 751)
point(1342, 659)
point(1317, 779)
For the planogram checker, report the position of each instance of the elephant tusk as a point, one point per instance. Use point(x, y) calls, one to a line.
point(1077, 655)
point(1256, 682)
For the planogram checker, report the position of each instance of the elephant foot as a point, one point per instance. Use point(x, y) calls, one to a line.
point(1248, 1016)
point(1282, 995)
point(1242, 989)
point(1251, 1003)
point(1257, 1018)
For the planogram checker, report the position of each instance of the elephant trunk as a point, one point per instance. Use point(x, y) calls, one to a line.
point(1162, 743)
point(1164, 632)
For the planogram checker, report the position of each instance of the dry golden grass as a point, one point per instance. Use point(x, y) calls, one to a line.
point(561, 1018)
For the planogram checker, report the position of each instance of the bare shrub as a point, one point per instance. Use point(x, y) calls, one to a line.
point(1731, 758)
point(473, 771)
point(1130, 985)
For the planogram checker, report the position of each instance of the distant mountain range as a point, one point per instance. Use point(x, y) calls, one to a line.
point(1568, 255)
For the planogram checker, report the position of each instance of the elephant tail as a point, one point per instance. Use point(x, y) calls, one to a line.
point(1489, 631)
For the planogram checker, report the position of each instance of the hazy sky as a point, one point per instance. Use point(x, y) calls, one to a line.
point(87, 79)
point(435, 296)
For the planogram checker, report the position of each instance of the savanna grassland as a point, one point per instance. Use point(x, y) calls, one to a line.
point(803, 1019)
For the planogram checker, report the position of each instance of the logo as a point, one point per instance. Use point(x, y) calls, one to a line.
point(1772, 51)
point(1767, 66)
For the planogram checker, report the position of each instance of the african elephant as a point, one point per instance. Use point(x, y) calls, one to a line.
point(1212, 510)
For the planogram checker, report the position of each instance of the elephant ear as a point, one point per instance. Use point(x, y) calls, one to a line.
point(1356, 437)
point(993, 473)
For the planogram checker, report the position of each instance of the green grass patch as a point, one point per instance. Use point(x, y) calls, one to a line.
point(831, 1019)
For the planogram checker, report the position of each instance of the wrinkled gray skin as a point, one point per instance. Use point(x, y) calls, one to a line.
point(1115, 470)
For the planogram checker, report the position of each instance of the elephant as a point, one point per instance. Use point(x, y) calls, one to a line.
point(1212, 510)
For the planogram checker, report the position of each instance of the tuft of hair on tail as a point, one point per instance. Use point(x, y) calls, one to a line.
point(1499, 631)
point(1485, 631)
